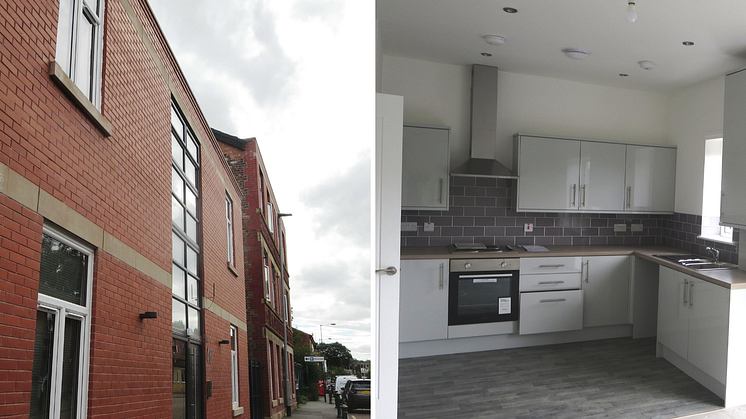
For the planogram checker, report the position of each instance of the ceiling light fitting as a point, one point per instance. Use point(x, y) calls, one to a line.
point(647, 65)
point(575, 54)
point(494, 39)
point(510, 10)
point(631, 15)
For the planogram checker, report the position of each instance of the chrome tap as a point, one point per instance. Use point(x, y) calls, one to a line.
point(715, 253)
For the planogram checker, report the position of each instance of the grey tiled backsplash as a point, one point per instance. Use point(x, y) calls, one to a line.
point(482, 210)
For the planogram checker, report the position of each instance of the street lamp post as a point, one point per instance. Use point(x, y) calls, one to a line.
point(321, 331)
point(288, 403)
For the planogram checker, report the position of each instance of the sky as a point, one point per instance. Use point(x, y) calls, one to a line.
point(299, 76)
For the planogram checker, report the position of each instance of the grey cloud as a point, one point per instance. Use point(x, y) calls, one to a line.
point(330, 10)
point(344, 203)
point(347, 282)
point(216, 36)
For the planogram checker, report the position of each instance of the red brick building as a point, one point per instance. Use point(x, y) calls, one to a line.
point(265, 269)
point(121, 282)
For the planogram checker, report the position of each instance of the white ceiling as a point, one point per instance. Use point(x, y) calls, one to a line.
point(451, 31)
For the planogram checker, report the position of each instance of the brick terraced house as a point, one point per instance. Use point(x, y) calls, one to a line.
point(267, 282)
point(113, 303)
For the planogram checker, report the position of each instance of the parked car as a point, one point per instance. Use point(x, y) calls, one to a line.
point(356, 394)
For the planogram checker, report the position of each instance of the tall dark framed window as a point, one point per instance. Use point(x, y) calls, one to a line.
point(186, 271)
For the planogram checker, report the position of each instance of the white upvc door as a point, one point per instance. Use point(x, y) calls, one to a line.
point(387, 216)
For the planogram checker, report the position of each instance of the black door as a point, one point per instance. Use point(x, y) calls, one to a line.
point(255, 390)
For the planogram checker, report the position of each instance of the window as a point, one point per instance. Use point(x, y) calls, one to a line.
point(234, 364)
point(267, 281)
point(59, 384)
point(269, 370)
point(80, 41)
point(229, 226)
point(270, 217)
point(711, 193)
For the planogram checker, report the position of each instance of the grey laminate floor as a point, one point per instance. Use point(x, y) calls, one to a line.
point(614, 378)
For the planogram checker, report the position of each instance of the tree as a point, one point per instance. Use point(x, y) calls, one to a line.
point(335, 354)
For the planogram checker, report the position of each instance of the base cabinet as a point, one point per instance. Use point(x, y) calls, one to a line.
point(605, 282)
point(693, 321)
point(551, 311)
point(423, 306)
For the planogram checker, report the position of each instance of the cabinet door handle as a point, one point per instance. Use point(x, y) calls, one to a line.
point(551, 282)
point(587, 270)
point(574, 193)
point(441, 276)
point(551, 266)
point(686, 288)
point(691, 294)
point(629, 196)
point(583, 196)
point(553, 300)
point(722, 205)
point(440, 191)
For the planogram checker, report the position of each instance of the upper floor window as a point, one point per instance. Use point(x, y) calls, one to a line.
point(270, 217)
point(80, 39)
point(267, 280)
point(711, 193)
point(229, 227)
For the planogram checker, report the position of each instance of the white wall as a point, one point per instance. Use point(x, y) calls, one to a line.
point(696, 114)
point(439, 94)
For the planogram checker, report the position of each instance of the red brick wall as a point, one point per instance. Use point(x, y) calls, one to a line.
point(122, 184)
point(20, 250)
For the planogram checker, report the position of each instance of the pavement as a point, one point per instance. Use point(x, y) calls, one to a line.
point(324, 410)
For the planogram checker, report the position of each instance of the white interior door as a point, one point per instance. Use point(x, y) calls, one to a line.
point(387, 216)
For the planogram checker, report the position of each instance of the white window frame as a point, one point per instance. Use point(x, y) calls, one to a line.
point(229, 227)
point(79, 8)
point(270, 218)
point(62, 310)
point(711, 228)
point(234, 364)
point(267, 278)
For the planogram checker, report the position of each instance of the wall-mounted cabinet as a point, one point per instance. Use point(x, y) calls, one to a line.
point(570, 175)
point(733, 203)
point(425, 167)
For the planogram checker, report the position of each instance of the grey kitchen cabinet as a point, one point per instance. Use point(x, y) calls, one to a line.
point(733, 203)
point(650, 179)
point(551, 298)
point(425, 167)
point(423, 307)
point(693, 318)
point(572, 175)
point(605, 282)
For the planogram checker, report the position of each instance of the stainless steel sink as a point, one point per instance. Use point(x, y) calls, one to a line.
point(697, 262)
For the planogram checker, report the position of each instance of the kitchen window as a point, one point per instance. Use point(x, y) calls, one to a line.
point(711, 194)
point(80, 39)
point(59, 377)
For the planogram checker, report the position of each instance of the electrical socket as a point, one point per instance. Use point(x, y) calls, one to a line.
point(620, 227)
point(636, 227)
point(528, 227)
point(429, 226)
point(409, 226)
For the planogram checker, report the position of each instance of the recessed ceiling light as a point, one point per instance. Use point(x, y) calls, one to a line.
point(486, 54)
point(623, 75)
point(575, 54)
point(494, 39)
point(510, 10)
point(647, 65)
point(688, 43)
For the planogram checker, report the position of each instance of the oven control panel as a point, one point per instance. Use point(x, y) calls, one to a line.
point(481, 265)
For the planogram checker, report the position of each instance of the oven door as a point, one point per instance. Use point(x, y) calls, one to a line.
point(482, 297)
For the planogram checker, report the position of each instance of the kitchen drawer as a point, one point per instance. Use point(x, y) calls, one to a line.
point(551, 265)
point(549, 282)
point(551, 311)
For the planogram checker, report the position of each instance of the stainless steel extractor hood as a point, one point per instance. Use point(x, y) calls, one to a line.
point(482, 162)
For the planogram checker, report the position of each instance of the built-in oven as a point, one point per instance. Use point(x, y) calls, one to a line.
point(483, 291)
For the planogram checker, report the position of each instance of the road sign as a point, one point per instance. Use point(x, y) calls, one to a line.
point(314, 358)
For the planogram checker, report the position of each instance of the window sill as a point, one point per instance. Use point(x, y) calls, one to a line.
point(57, 74)
point(232, 269)
point(237, 411)
point(718, 239)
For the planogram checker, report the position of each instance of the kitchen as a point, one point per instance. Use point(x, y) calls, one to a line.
point(569, 99)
